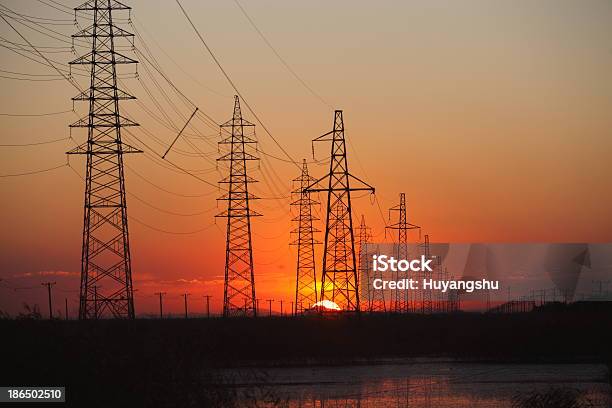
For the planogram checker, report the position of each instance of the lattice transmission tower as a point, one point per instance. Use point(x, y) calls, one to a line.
point(306, 277)
point(377, 303)
point(339, 276)
point(426, 294)
point(239, 286)
point(401, 299)
point(106, 272)
point(364, 235)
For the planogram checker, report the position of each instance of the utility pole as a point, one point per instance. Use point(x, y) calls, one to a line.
point(292, 310)
point(105, 256)
point(339, 276)
point(49, 285)
point(207, 297)
point(270, 305)
point(402, 226)
point(281, 302)
point(185, 299)
point(306, 278)
point(161, 305)
point(66, 304)
point(239, 284)
point(363, 237)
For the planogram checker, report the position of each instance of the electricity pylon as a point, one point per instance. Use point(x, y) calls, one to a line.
point(339, 276)
point(426, 300)
point(377, 303)
point(439, 276)
point(106, 272)
point(239, 286)
point(363, 238)
point(306, 277)
point(402, 300)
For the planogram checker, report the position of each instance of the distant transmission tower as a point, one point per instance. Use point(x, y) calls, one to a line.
point(377, 302)
point(402, 300)
point(306, 277)
point(339, 277)
point(426, 294)
point(106, 272)
point(363, 238)
point(239, 287)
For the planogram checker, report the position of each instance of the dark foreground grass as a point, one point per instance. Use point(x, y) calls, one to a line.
point(171, 363)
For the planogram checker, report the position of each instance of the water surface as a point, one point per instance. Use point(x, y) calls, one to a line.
point(419, 384)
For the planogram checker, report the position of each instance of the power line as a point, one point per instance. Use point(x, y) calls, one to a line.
point(170, 162)
point(132, 218)
point(236, 88)
point(160, 72)
point(73, 12)
point(29, 173)
point(41, 55)
point(179, 66)
point(42, 27)
point(281, 59)
point(38, 46)
point(33, 18)
point(27, 74)
point(30, 79)
point(168, 191)
point(145, 202)
point(40, 18)
point(37, 114)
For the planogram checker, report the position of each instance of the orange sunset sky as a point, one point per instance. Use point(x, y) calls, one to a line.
point(494, 117)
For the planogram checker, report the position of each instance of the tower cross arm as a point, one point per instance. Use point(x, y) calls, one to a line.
point(313, 189)
point(399, 225)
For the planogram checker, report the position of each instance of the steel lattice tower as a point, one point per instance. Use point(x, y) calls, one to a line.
point(426, 298)
point(363, 238)
point(239, 287)
point(339, 276)
point(306, 277)
point(402, 300)
point(439, 276)
point(377, 303)
point(106, 273)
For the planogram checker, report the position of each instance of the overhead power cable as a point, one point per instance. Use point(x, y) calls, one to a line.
point(29, 173)
point(160, 72)
point(280, 58)
point(170, 162)
point(132, 218)
point(179, 66)
point(236, 88)
point(34, 143)
point(41, 55)
point(37, 114)
point(166, 190)
point(31, 79)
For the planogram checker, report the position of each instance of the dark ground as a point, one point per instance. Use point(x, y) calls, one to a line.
point(159, 363)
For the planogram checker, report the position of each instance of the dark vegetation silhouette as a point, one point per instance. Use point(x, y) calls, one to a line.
point(174, 362)
point(30, 312)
